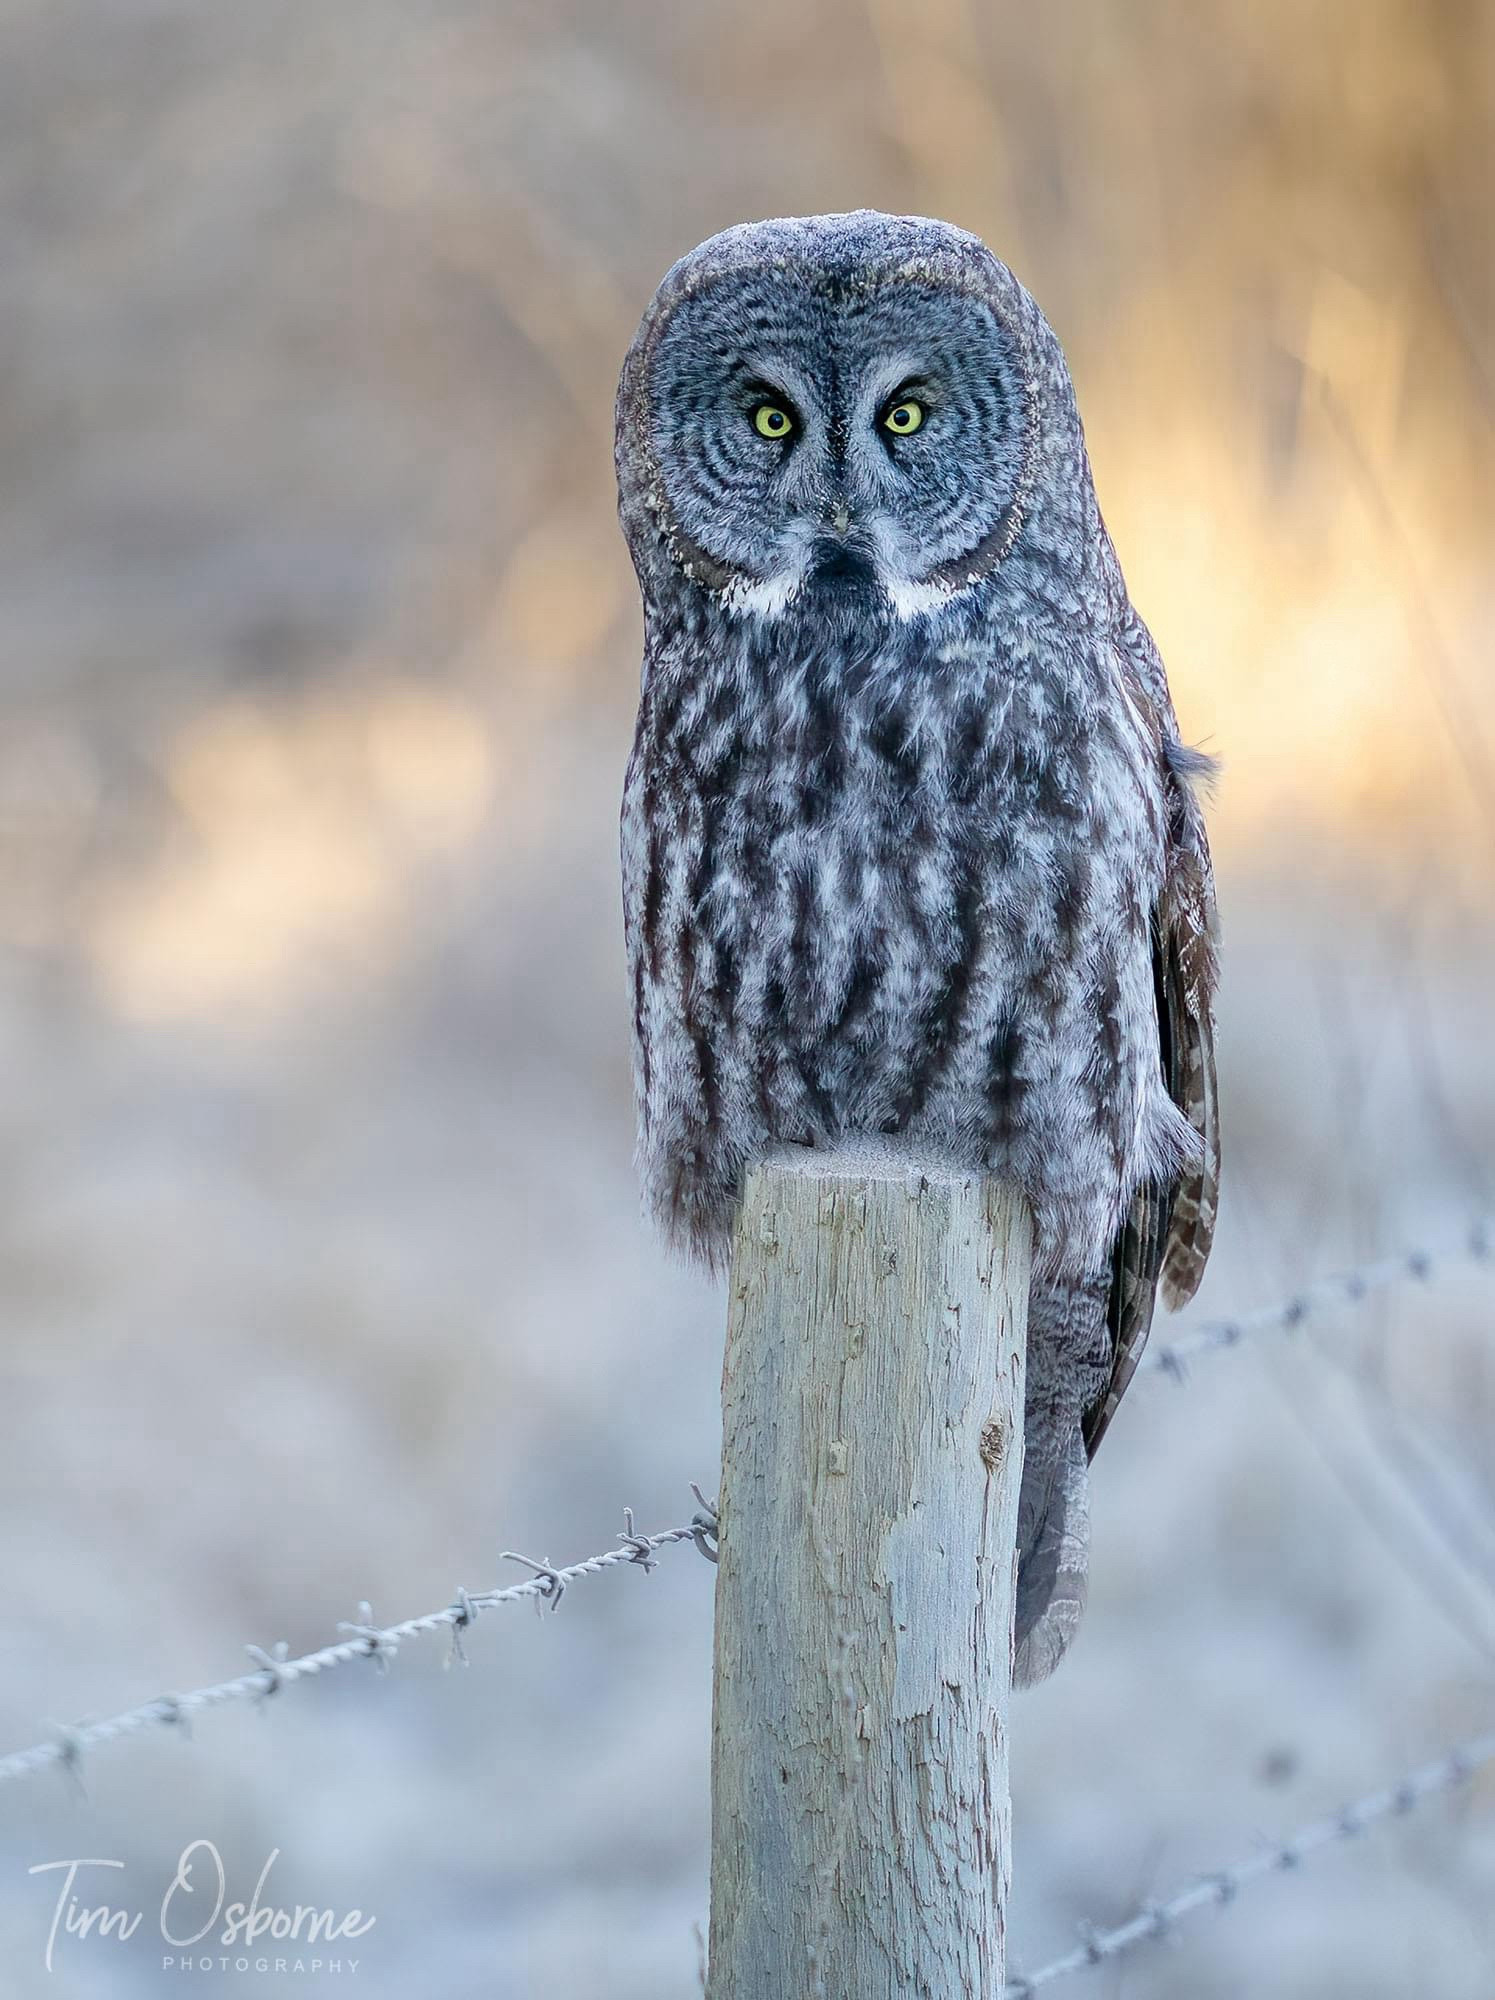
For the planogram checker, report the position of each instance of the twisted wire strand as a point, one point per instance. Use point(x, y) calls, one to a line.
point(274, 1670)
point(1352, 1288)
point(1217, 1891)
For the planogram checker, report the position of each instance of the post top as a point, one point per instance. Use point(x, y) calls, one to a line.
point(872, 1156)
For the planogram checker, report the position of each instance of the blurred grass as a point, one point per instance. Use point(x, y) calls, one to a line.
point(315, 319)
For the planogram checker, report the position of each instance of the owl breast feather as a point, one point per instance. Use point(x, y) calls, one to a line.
point(910, 896)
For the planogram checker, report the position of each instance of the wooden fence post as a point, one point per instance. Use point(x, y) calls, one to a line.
point(872, 1401)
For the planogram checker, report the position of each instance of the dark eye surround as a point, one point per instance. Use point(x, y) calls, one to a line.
point(734, 383)
point(948, 468)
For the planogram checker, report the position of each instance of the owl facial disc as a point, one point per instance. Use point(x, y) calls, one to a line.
point(852, 431)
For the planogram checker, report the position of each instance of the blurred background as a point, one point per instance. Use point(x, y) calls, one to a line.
point(321, 1276)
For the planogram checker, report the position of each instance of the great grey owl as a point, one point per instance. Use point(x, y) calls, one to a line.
point(910, 841)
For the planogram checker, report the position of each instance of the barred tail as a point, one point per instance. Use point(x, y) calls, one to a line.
point(1053, 1560)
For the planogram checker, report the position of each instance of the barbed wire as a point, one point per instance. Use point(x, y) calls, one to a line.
point(1219, 1890)
point(275, 1670)
point(1477, 1246)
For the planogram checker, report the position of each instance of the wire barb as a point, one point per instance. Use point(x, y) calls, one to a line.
point(271, 1664)
point(551, 1580)
point(381, 1645)
point(639, 1547)
point(69, 1745)
point(705, 1525)
point(462, 1613)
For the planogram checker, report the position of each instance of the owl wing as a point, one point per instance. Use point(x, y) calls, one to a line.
point(1164, 1241)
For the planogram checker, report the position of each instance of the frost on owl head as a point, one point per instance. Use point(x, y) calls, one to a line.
point(850, 414)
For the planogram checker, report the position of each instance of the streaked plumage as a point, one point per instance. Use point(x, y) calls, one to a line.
point(910, 842)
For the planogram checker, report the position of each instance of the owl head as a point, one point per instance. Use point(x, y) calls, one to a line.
point(856, 413)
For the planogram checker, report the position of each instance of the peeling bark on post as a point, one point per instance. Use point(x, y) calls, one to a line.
point(872, 1398)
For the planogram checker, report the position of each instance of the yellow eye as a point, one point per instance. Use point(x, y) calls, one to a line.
point(770, 421)
point(904, 418)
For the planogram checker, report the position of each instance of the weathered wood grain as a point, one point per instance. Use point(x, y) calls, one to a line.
point(872, 1400)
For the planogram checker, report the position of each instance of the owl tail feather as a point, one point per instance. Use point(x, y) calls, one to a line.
point(1053, 1561)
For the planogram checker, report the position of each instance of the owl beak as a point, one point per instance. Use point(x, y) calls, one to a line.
point(842, 567)
point(839, 516)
